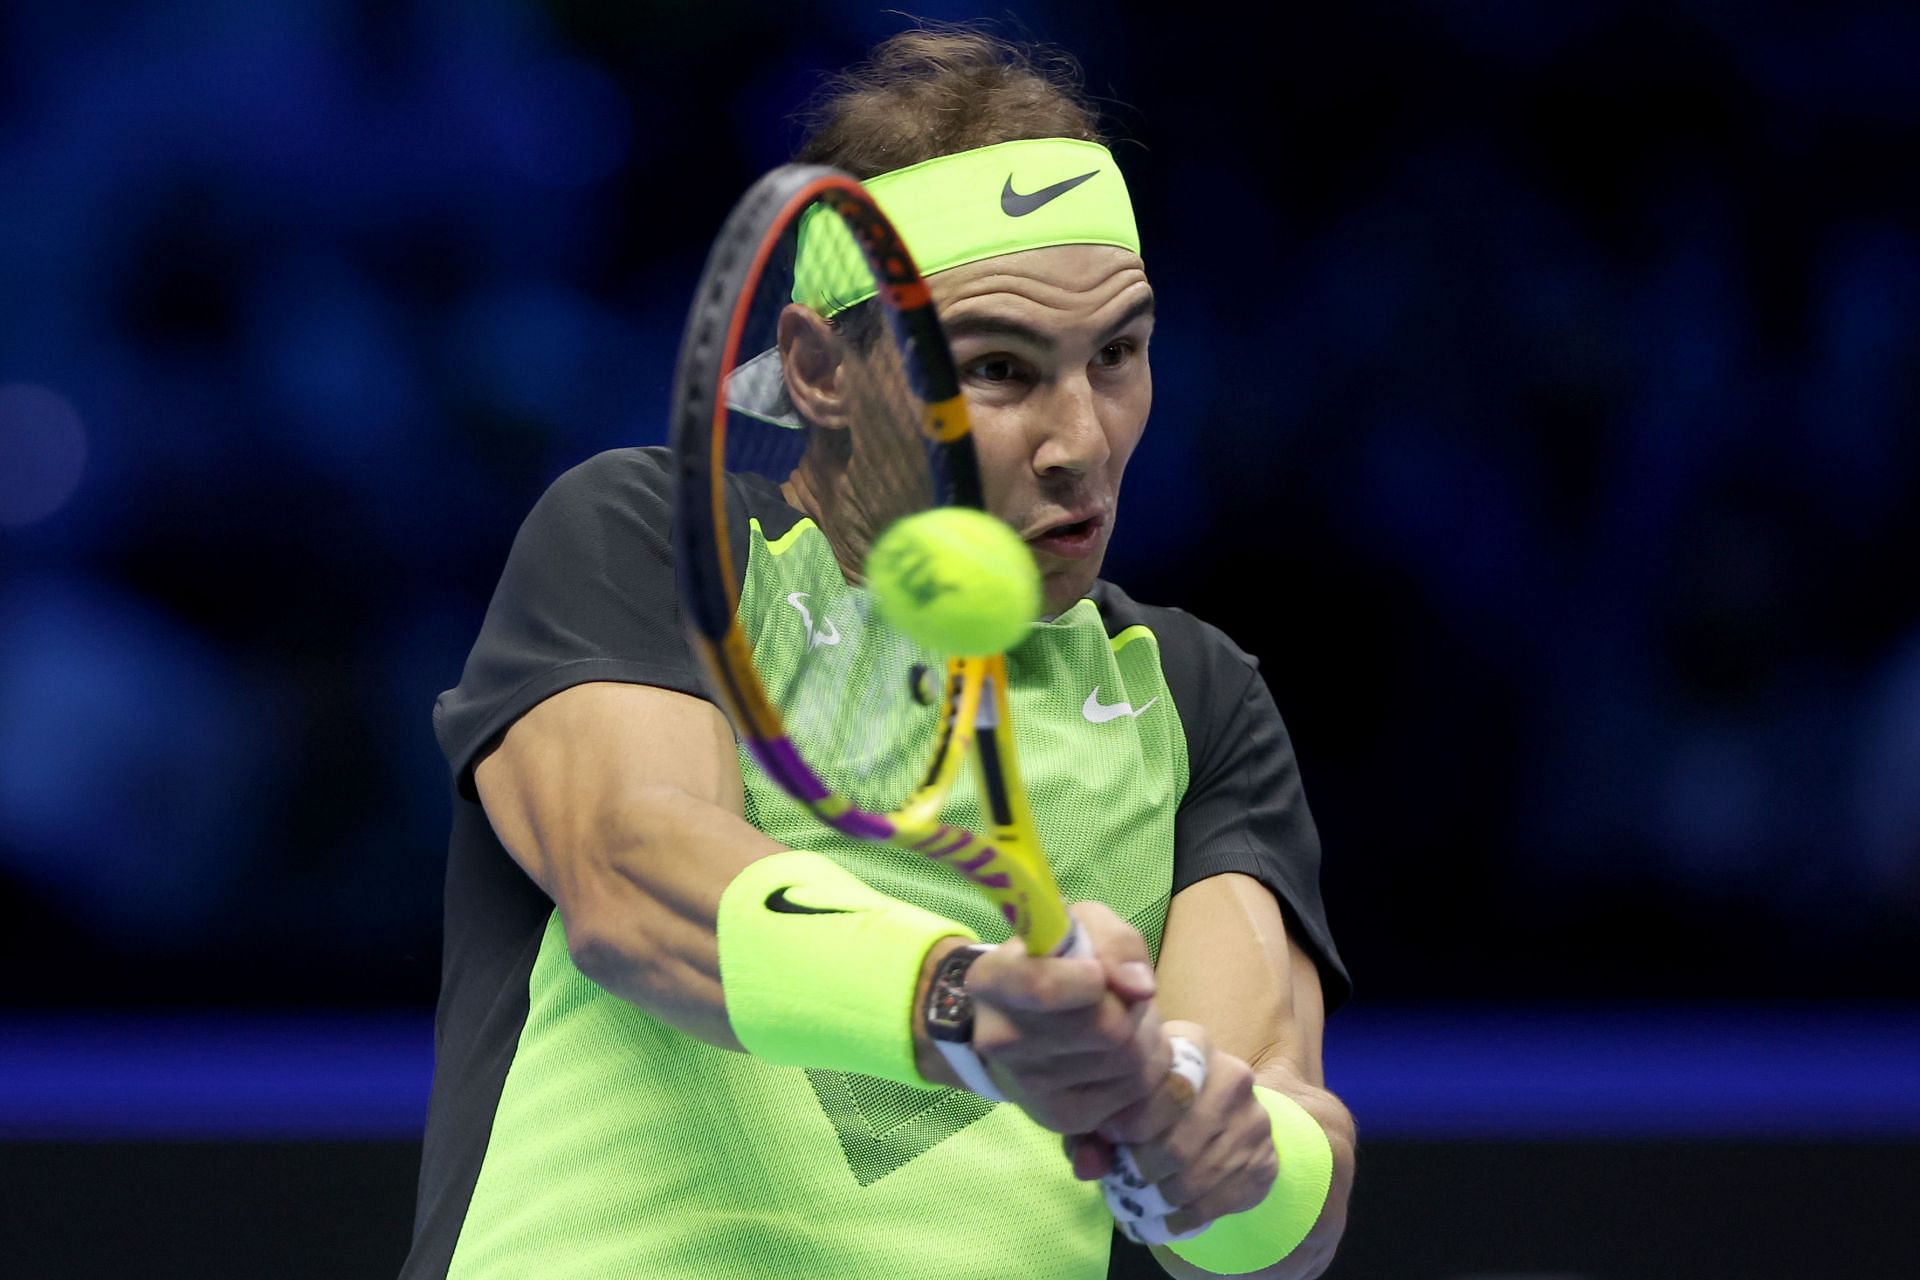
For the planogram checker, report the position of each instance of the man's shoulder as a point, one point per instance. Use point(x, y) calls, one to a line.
point(646, 468)
point(615, 488)
point(1187, 643)
point(640, 481)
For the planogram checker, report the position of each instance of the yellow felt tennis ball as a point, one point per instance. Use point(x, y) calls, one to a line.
point(955, 580)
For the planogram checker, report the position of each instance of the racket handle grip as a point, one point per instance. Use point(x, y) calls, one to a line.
point(1076, 944)
point(1136, 1204)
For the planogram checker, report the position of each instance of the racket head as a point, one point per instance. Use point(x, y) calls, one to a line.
point(736, 422)
point(859, 408)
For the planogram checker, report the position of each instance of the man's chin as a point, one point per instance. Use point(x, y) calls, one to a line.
point(1061, 591)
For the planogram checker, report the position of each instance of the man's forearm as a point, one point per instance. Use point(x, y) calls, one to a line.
point(639, 897)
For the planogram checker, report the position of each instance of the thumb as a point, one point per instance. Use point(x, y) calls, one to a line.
point(1133, 981)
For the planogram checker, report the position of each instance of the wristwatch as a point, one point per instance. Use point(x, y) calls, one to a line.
point(949, 1021)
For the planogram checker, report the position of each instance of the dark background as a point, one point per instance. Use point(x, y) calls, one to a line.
point(1537, 397)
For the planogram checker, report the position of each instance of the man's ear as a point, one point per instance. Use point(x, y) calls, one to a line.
point(813, 358)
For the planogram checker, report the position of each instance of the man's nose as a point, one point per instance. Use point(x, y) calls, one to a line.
point(1072, 438)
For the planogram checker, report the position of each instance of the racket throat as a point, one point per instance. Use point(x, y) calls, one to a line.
point(919, 819)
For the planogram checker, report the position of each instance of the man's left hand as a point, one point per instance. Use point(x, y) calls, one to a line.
point(1209, 1154)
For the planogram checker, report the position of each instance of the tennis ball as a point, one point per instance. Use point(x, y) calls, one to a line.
point(955, 580)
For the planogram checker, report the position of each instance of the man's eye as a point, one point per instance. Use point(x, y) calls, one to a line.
point(1115, 354)
point(996, 369)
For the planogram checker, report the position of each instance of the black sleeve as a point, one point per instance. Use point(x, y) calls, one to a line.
point(587, 594)
point(1244, 809)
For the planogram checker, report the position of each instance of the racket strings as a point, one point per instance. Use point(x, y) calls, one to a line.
point(846, 684)
point(867, 462)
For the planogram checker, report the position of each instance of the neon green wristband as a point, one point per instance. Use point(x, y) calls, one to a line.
point(1274, 1228)
point(819, 969)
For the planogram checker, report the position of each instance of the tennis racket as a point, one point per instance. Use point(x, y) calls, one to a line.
point(835, 721)
point(813, 363)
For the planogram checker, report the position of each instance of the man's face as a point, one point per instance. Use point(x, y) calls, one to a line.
point(1051, 345)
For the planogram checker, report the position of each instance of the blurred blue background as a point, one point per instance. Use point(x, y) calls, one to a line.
point(1538, 398)
point(1552, 434)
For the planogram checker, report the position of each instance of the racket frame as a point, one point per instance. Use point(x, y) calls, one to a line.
point(1009, 866)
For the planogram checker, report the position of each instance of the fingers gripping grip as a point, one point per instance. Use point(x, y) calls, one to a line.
point(1135, 1203)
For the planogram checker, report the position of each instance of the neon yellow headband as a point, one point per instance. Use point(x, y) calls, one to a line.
point(952, 210)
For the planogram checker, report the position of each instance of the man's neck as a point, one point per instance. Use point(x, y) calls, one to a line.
point(817, 498)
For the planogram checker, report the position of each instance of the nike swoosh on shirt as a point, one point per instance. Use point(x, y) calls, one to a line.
point(779, 901)
point(1015, 205)
point(1098, 712)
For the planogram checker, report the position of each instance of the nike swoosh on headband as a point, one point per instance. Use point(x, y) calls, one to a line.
point(1016, 205)
point(778, 901)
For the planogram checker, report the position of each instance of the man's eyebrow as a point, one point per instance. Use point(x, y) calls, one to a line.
point(996, 327)
point(1137, 311)
point(991, 326)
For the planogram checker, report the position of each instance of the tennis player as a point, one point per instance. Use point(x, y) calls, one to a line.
point(593, 1114)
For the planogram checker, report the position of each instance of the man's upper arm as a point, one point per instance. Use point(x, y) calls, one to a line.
point(1244, 811)
point(573, 764)
point(587, 595)
point(1227, 963)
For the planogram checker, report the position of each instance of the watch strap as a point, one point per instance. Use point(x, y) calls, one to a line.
point(972, 1071)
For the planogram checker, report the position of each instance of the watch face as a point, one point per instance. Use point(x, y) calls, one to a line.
point(950, 1004)
point(949, 1007)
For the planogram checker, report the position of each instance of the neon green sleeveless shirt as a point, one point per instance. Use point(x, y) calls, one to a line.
point(623, 1148)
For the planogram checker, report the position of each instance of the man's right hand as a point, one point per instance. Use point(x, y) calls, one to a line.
point(1074, 1041)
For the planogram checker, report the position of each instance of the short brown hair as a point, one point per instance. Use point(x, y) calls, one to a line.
point(938, 90)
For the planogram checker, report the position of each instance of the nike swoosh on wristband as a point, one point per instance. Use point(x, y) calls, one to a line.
point(778, 901)
point(1015, 205)
point(1098, 712)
